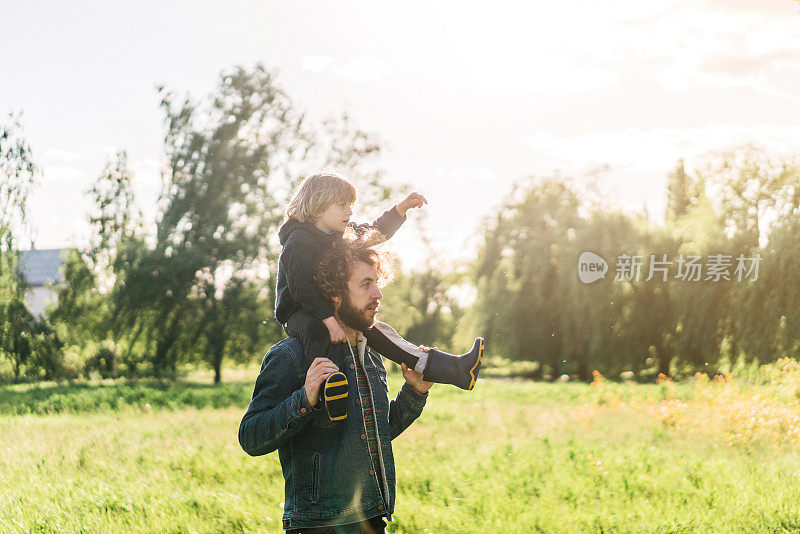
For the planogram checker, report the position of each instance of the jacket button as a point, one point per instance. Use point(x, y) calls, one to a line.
point(363, 436)
point(302, 410)
point(352, 366)
point(371, 472)
point(380, 507)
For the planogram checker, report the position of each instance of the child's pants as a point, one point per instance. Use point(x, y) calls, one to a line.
point(312, 333)
point(316, 341)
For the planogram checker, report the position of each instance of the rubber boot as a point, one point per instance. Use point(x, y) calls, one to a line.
point(461, 371)
point(334, 394)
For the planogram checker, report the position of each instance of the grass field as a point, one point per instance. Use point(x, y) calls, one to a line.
point(705, 456)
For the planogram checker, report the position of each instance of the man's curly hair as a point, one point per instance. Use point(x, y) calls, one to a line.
point(333, 270)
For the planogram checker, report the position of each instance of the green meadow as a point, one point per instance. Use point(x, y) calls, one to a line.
point(510, 456)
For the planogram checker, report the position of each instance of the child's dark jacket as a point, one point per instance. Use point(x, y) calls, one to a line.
point(303, 246)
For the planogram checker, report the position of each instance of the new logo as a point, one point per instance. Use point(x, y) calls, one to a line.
point(591, 267)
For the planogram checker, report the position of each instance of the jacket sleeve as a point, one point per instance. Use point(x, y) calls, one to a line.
point(387, 224)
point(279, 408)
point(404, 409)
point(298, 263)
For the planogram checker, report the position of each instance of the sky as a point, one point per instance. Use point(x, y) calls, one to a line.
point(468, 98)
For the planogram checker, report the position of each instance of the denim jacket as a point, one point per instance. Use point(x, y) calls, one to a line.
point(328, 471)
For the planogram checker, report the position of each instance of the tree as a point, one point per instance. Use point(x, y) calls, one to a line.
point(422, 305)
point(15, 336)
point(751, 188)
point(83, 315)
point(534, 305)
point(593, 333)
point(115, 219)
point(520, 273)
point(17, 174)
point(763, 322)
point(232, 160)
point(678, 193)
point(235, 327)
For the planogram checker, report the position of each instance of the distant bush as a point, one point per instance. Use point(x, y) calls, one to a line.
point(505, 368)
point(104, 363)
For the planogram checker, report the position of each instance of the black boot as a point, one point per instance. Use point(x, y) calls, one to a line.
point(461, 371)
point(334, 394)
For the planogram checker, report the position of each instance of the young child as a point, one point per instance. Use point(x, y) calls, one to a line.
point(317, 217)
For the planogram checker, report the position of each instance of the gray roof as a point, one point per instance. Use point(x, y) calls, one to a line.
point(41, 266)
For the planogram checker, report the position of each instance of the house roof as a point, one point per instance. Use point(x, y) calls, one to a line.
point(41, 266)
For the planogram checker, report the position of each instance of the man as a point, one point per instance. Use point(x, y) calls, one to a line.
point(339, 475)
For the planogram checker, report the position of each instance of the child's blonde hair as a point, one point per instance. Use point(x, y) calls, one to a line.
point(316, 193)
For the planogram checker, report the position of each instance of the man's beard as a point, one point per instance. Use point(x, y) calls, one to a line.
point(355, 318)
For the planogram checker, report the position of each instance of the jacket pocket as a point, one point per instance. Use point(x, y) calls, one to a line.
point(321, 418)
point(315, 478)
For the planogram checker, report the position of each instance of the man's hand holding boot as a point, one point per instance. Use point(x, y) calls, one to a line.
point(320, 369)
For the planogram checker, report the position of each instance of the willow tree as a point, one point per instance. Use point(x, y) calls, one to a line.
point(521, 273)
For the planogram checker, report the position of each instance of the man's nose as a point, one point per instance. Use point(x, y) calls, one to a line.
point(376, 293)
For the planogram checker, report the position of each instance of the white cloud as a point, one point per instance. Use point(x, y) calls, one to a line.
point(55, 156)
point(736, 63)
point(771, 68)
point(317, 63)
point(680, 77)
point(546, 76)
point(772, 8)
point(363, 68)
point(63, 174)
point(639, 160)
point(110, 150)
point(700, 45)
point(464, 175)
point(654, 150)
point(577, 47)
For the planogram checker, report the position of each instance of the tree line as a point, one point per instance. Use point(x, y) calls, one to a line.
point(197, 287)
point(740, 206)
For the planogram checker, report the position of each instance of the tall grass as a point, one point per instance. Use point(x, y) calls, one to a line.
point(509, 456)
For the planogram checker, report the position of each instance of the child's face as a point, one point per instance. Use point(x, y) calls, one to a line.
point(335, 217)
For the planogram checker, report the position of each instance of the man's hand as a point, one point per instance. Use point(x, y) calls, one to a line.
point(320, 369)
point(414, 200)
point(414, 379)
point(335, 330)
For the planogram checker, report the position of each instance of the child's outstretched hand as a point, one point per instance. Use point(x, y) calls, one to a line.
point(414, 200)
point(335, 330)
